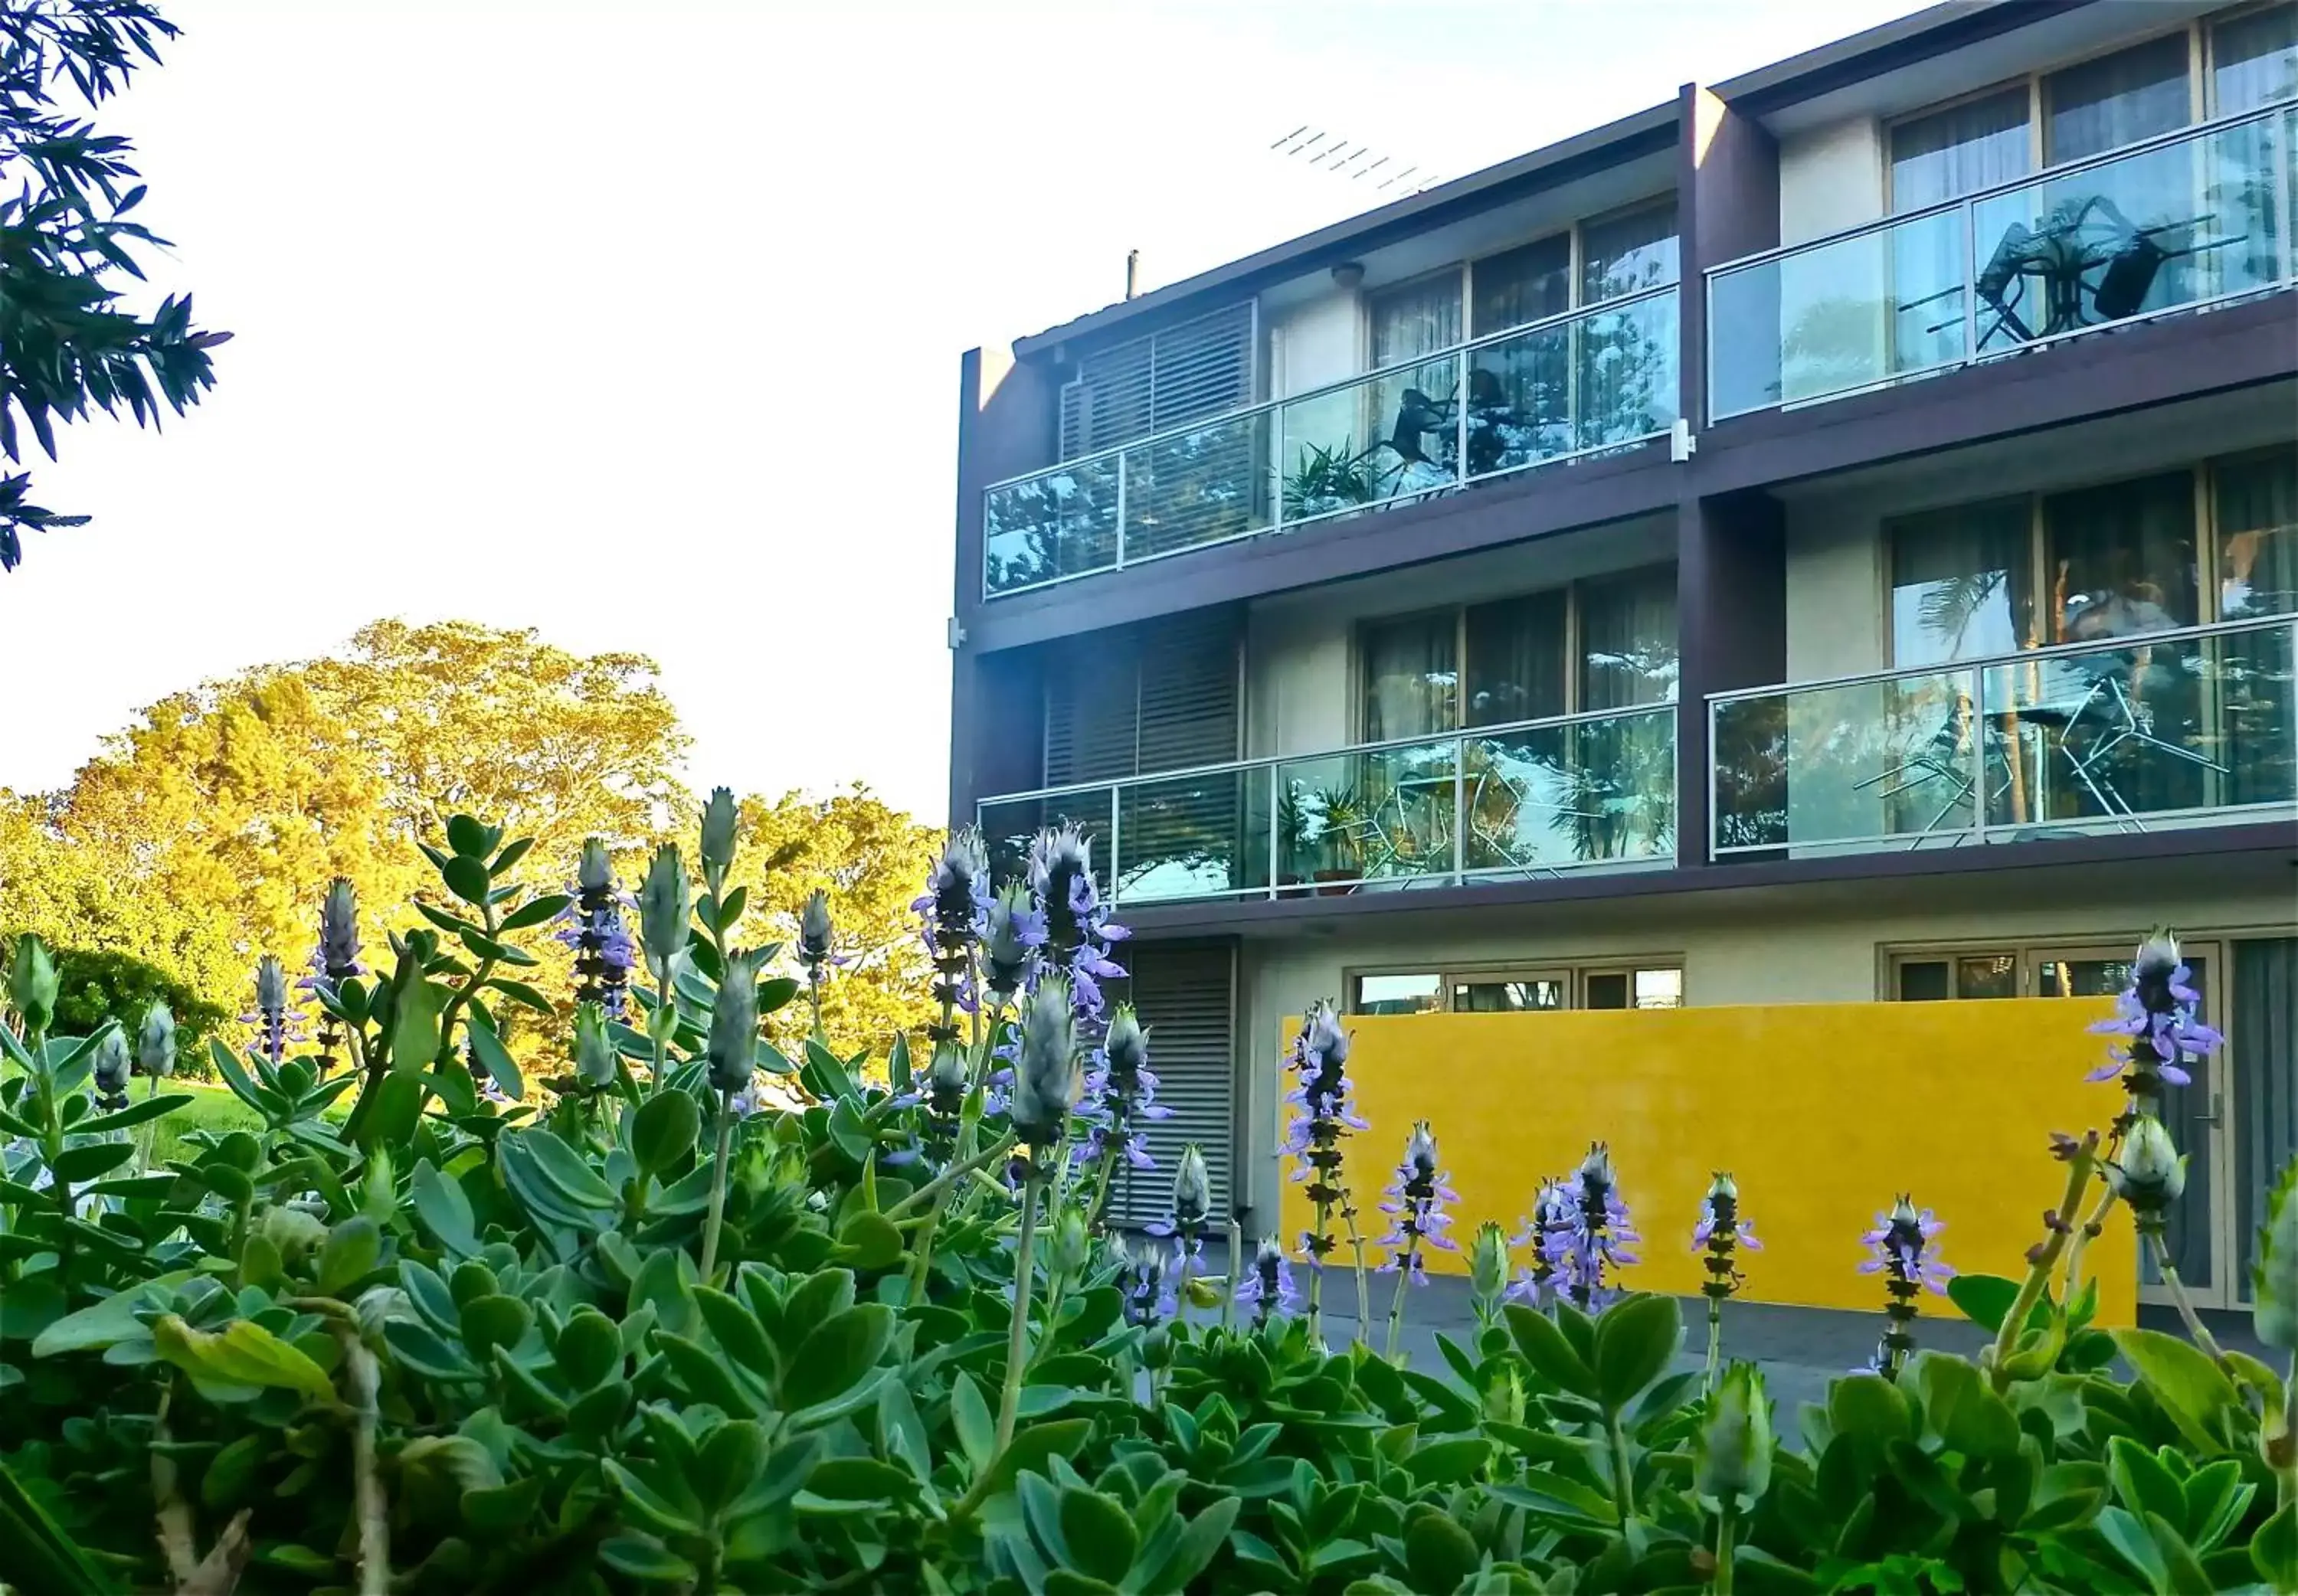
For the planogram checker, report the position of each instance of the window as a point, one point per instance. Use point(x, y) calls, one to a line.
point(1627, 254)
point(1411, 678)
point(2120, 559)
point(1652, 984)
point(2255, 501)
point(2116, 100)
point(1143, 385)
point(2254, 59)
point(1514, 657)
point(1928, 978)
point(1944, 154)
point(1523, 285)
point(1398, 994)
point(1416, 319)
point(1961, 584)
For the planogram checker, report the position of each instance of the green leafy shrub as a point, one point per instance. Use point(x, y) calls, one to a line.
point(94, 987)
point(706, 1317)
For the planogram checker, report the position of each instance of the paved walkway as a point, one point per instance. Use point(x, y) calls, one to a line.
point(1800, 1350)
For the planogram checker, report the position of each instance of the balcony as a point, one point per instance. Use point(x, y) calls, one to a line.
point(1591, 791)
point(2188, 219)
point(1596, 379)
point(2192, 727)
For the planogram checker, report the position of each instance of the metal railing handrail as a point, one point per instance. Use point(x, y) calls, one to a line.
point(1949, 667)
point(1980, 196)
point(1340, 385)
point(1236, 766)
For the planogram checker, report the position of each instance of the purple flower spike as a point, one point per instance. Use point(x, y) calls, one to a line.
point(1268, 1289)
point(1414, 1203)
point(1902, 1252)
point(1721, 1232)
point(2156, 1025)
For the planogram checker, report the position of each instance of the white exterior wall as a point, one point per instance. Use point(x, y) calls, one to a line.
point(1315, 342)
point(1835, 583)
point(1799, 957)
point(1831, 178)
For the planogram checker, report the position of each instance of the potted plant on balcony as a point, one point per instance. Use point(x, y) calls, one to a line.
point(1340, 836)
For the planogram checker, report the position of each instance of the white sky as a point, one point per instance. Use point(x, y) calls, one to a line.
point(640, 323)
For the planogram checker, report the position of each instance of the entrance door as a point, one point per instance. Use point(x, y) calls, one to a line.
point(2198, 1235)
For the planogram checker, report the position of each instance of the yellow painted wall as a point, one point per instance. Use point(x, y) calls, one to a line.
point(1823, 1113)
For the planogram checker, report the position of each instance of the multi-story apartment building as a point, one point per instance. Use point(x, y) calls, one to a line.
point(1832, 536)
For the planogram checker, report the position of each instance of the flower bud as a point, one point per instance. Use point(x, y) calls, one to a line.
point(1420, 1152)
point(1073, 1244)
point(1326, 1042)
point(665, 910)
point(1007, 951)
point(291, 1230)
point(734, 1047)
point(2274, 1278)
point(1488, 1262)
point(1596, 1169)
point(339, 935)
point(946, 1077)
point(813, 930)
point(270, 986)
point(956, 881)
point(594, 1049)
point(2152, 1172)
point(155, 1044)
point(378, 1306)
point(1045, 1078)
point(1193, 1190)
point(719, 818)
point(32, 983)
point(1723, 1187)
point(1126, 1043)
point(596, 871)
point(1732, 1457)
point(112, 1067)
point(1504, 1401)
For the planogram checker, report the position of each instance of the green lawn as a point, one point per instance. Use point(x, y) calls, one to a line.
point(211, 1108)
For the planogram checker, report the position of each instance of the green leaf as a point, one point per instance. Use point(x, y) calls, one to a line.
point(868, 1241)
point(2191, 1388)
point(663, 1130)
point(467, 879)
point(415, 1007)
point(1439, 1553)
point(2274, 1549)
point(2135, 1545)
point(138, 1114)
point(729, 1458)
point(566, 1171)
point(110, 1321)
point(843, 1349)
point(444, 1210)
point(535, 911)
point(36, 1556)
point(245, 1353)
point(519, 991)
point(467, 837)
point(1870, 1410)
point(398, 1107)
point(74, 1165)
point(1985, 1299)
point(647, 1560)
point(2142, 1483)
point(1553, 1496)
point(493, 1057)
point(902, 1431)
point(734, 1327)
point(1100, 1534)
point(1449, 1462)
point(969, 1414)
point(349, 1254)
point(1960, 1407)
point(1636, 1340)
point(1195, 1551)
point(1550, 1355)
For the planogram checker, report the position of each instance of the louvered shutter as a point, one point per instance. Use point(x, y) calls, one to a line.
point(1186, 995)
point(1137, 699)
point(1166, 379)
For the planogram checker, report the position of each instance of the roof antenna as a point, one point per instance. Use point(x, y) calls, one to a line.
point(1132, 273)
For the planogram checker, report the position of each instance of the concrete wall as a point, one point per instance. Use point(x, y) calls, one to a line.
point(1318, 342)
point(1835, 581)
point(1831, 178)
point(1813, 1158)
point(1729, 958)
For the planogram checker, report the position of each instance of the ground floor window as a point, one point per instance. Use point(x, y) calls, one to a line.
point(1640, 984)
point(2236, 1121)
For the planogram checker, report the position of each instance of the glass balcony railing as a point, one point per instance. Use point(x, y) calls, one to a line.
point(1595, 379)
point(2186, 727)
point(1587, 791)
point(2203, 215)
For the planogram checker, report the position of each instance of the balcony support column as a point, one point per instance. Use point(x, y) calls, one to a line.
point(1731, 585)
point(1727, 205)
